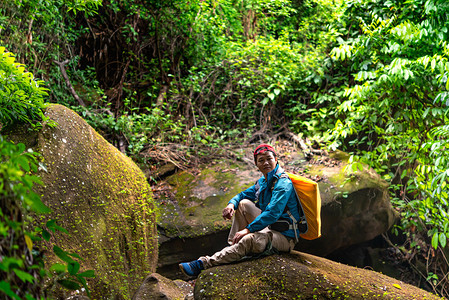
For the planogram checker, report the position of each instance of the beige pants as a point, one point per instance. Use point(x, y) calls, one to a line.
point(251, 243)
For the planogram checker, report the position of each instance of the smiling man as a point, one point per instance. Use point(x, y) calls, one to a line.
point(262, 215)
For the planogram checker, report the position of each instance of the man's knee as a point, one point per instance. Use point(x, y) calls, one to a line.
point(245, 203)
point(254, 242)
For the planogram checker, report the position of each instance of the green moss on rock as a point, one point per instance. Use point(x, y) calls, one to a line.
point(199, 200)
point(300, 276)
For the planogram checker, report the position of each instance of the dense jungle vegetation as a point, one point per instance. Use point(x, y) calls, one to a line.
point(183, 78)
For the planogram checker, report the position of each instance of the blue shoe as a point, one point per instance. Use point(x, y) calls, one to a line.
point(192, 268)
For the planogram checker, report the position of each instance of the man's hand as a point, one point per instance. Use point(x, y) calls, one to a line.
point(238, 236)
point(228, 211)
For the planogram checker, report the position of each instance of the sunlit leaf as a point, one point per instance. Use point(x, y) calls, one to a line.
point(435, 240)
point(58, 268)
point(28, 242)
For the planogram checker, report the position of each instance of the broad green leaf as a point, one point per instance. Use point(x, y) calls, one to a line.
point(61, 229)
point(442, 239)
point(5, 287)
point(37, 205)
point(62, 254)
point(435, 240)
point(23, 162)
point(88, 273)
point(71, 285)
point(10, 263)
point(74, 255)
point(46, 235)
point(20, 148)
point(50, 224)
point(73, 268)
point(445, 226)
point(404, 173)
point(360, 166)
point(24, 276)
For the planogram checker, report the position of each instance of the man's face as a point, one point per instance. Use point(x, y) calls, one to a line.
point(266, 162)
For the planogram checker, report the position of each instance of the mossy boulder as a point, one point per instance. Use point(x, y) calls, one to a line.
point(101, 197)
point(300, 276)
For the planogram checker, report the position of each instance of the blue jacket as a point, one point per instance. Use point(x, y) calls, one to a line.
point(272, 202)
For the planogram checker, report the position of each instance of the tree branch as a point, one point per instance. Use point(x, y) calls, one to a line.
point(67, 81)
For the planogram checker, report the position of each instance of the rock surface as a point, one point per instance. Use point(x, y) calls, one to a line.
point(355, 205)
point(101, 197)
point(300, 276)
point(156, 286)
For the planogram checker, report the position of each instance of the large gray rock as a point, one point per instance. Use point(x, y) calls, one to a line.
point(300, 276)
point(101, 197)
point(355, 205)
point(355, 208)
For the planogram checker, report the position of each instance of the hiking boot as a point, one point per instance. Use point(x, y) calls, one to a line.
point(192, 268)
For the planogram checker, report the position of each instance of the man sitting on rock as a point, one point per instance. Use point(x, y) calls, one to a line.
point(256, 208)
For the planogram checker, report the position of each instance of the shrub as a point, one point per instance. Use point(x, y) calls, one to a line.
point(21, 97)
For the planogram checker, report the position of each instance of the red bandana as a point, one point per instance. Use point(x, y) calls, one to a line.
point(262, 148)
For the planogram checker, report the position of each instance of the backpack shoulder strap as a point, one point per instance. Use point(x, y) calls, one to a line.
point(257, 187)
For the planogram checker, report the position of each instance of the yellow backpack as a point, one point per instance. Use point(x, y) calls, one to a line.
point(309, 199)
point(308, 193)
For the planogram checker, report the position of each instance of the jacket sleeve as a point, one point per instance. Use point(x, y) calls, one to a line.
point(249, 193)
point(274, 210)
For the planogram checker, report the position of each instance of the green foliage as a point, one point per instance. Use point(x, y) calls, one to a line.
point(42, 32)
point(23, 271)
point(369, 75)
point(431, 179)
point(21, 97)
point(251, 76)
point(139, 129)
point(229, 63)
point(15, 169)
point(395, 107)
point(69, 274)
point(260, 68)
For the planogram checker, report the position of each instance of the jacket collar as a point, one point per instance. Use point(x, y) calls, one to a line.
point(276, 172)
